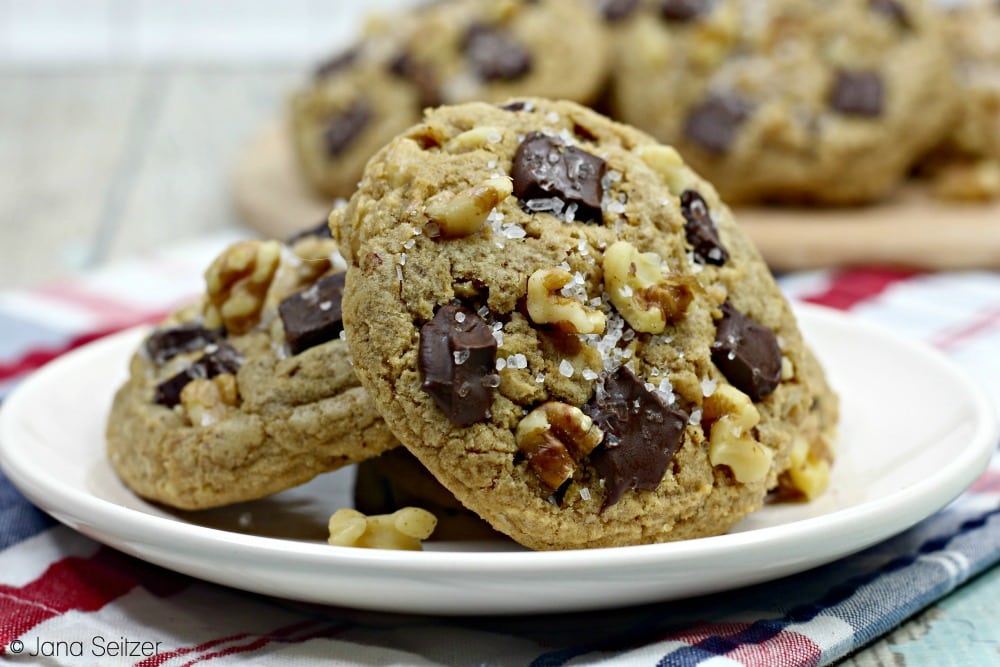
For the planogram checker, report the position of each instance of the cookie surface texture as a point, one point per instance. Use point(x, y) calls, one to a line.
point(788, 100)
point(534, 301)
point(251, 390)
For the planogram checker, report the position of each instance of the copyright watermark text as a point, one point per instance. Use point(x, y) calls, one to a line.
point(97, 646)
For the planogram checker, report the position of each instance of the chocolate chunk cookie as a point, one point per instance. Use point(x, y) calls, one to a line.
point(355, 102)
point(967, 164)
point(250, 391)
point(788, 100)
point(451, 51)
point(562, 322)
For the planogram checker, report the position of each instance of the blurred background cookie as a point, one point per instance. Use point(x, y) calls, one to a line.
point(788, 100)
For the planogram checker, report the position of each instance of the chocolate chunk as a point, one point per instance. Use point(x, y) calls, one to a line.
point(457, 362)
point(217, 360)
point(320, 230)
point(893, 11)
point(684, 10)
point(313, 316)
point(641, 434)
point(700, 230)
point(544, 168)
point(339, 62)
point(857, 93)
point(494, 55)
point(343, 128)
point(420, 75)
point(517, 105)
point(165, 344)
point(616, 10)
point(747, 353)
point(713, 124)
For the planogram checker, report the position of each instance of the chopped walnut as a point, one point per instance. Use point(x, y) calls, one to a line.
point(641, 290)
point(206, 401)
point(237, 283)
point(403, 529)
point(554, 437)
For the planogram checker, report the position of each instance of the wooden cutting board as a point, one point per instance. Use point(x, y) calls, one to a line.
point(912, 229)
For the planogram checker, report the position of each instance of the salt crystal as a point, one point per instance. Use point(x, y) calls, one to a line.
point(566, 368)
point(409, 244)
point(492, 164)
point(501, 363)
point(460, 356)
point(540, 378)
point(325, 306)
point(483, 311)
point(492, 380)
point(695, 417)
point(343, 334)
point(708, 386)
point(399, 273)
point(589, 374)
point(626, 291)
point(494, 137)
point(585, 493)
point(552, 117)
point(402, 259)
point(459, 316)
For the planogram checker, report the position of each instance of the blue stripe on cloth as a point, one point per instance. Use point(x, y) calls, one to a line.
point(19, 519)
point(871, 592)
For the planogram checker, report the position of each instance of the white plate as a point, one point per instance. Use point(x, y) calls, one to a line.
point(915, 433)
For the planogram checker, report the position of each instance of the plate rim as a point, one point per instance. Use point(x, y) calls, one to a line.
point(119, 526)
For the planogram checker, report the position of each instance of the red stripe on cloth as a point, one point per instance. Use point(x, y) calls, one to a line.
point(776, 650)
point(78, 584)
point(954, 337)
point(784, 648)
point(257, 641)
point(988, 482)
point(849, 288)
point(38, 357)
point(108, 308)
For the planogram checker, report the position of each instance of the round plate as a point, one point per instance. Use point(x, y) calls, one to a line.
point(892, 471)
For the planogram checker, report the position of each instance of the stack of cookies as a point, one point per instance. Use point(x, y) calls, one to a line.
point(771, 100)
point(552, 313)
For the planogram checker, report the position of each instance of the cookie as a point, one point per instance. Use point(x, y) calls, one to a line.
point(967, 164)
point(486, 50)
point(788, 100)
point(562, 322)
point(451, 51)
point(356, 101)
point(251, 390)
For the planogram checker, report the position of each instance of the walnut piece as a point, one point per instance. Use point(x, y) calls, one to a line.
point(547, 306)
point(477, 137)
point(808, 473)
point(667, 163)
point(403, 529)
point(466, 212)
point(237, 283)
point(642, 291)
point(733, 416)
point(554, 437)
point(206, 401)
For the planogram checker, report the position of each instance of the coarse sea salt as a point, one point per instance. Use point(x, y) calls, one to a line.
point(566, 368)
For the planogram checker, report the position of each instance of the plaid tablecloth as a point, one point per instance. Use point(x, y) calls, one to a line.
point(58, 586)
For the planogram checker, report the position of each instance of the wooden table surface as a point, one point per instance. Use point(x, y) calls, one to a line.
point(97, 165)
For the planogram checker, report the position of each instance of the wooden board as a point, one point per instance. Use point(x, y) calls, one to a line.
point(912, 229)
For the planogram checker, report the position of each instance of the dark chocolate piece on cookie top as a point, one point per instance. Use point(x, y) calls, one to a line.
point(165, 344)
point(642, 432)
point(747, 353)
point(457, 360)
point(858, 93)
point(337, 63)
point(714, 123)
point(218, 359)
point(892, 10)
point(343, 128)
point(684, 10)
point(701, 231)
point(616, 10)
point(313, 316)
point(494, 54)
point(545, 168)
